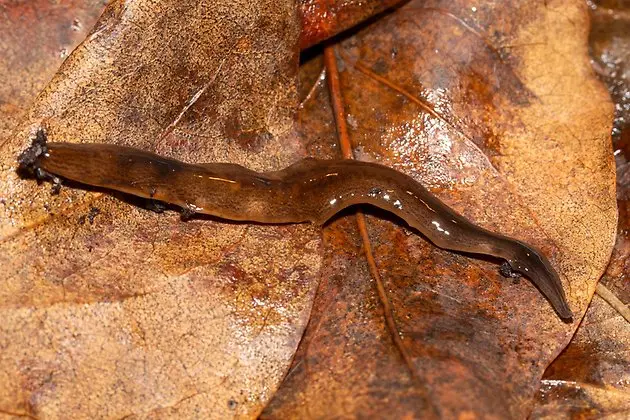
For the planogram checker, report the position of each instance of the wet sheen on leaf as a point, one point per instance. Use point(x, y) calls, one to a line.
point(507, 142)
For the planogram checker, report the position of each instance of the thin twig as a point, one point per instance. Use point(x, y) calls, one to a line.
point(313, 90)
point(605, 293)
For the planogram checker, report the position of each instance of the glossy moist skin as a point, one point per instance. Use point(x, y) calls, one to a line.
point(310, 190)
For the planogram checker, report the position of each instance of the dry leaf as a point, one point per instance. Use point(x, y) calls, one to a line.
point(591, 378)
point(122, 311)
point(34, 40)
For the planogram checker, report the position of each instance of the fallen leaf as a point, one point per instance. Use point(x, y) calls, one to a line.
point(591, 377)
point(610, 48)
point(497, 109)
point(120, 311)
point(59, 29)
point(322, 19)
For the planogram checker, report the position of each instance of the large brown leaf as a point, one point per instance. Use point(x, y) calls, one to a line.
point(497, 108)
point(126, 311)
point(591, 378)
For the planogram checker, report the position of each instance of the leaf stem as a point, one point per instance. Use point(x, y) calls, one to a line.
point(332, 75)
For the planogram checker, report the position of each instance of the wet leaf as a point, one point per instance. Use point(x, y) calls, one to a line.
point(610, 48)
point(321, 19)
point(496, 108)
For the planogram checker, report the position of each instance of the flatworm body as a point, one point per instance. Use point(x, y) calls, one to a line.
point(308, 191)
